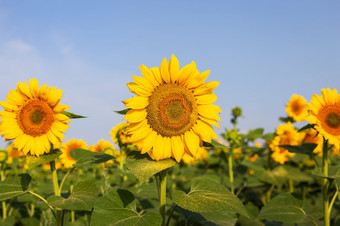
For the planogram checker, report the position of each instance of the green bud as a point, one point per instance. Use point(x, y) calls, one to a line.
point(236, 112)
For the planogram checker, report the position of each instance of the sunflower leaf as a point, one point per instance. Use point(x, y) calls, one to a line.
point(208, 196)
point(85, 158)
point(308, 126)
point(143, 167)
point(123, 112)
point(217, 145)
point(33, 161)
point(83, 197)
point(72, 115)
point(14, 186)
point(118, 207)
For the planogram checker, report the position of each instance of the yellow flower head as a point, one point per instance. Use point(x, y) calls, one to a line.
point(202, 154)
point(12, 153)
point(324, 112)
point(311, 136)
point(286, 134)
point(173, 110)
point(119, 135)
point(33, 118)
point(65, 158)
point(101, 146)
point(297, 108)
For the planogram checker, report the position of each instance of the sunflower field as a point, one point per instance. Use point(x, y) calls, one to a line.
point(165, 164)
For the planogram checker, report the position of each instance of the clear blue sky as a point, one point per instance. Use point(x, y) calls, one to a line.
point(262, 52)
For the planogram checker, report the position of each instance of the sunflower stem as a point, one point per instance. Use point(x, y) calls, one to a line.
point(231, 172)
point(44, 201)
point(161, 185)
point(72, 211)
point(122, 158)
point(4, 206)
point(59, 212)
point(325, 185)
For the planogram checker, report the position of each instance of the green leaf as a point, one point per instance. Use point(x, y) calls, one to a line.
point(14, 186)
point(86, 158)
point(283, 208)
point(118, 207)
point(286, 119)
point(254, 134)
point(268, 136)
point(83, 197)
point(297, 175)
point(305, 148)
point(72, 115)
point(207, 196)
point(33, 161)
point(123, 112)
point(143, 167)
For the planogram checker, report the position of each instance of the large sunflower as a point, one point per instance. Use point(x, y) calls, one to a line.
point(66, 159)
point(324, 112)
point(33, 118)
point(297, 108)
point(172, 112)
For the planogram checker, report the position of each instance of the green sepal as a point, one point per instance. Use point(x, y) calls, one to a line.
point(143, 167)
point(14, 186)
point(308, 126)
point(33, 160)
point(72, 115)
point(123, 112)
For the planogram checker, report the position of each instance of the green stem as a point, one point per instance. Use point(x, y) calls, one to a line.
point(231, 172)
point(72, 211)
point(4, 206)
point(269, 193)
point(63, 181)
point(122, 158)
point(171, 213)
point(325, 185)
point(44, 201)
point(291, 185)
point(59, 212)
point(162, 193)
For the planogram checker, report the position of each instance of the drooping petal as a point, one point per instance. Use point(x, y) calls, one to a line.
point(136, 102)
point(192, 142)
point(138, 89)
point(133, 116)
point(209, 111)
point(206, 98)
point(177, 147)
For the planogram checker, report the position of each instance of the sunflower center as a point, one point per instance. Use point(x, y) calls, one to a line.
point(330, 119)
point(35, 118)
point(172, 110)
point(333, 120)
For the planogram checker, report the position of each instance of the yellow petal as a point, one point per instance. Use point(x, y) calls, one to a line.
point(186, 73)
point(205, 88)
point(133, 116)
point(9, 106)
point(174, 68)
point(157, 74)
point(143, 83)
point(62, 118)
point(177, 147)
point(15, 98)
point(157, 150)
point(209, 111)
point(23, 88)
point(43, 93)
point(149, 142)
point(54, 96)
point(165, 71)
point(133, 126)
point(198, 79)
point(148, 75)
point(60, 108)
point(205, 131)
point(136, 102)
point(192, 142)
point(206, 98)
point(210, 121)
point(34, 87)
point(141, 133)
point(137, 89)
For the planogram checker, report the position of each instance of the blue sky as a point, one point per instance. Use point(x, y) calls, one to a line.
point(262, 52)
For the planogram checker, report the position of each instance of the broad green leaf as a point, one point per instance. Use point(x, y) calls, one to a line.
point(297, 175)
point(14, 186)
point(33, 161)
point(86, 158)
point(286, 119)
point(306, 148)
point(83, 197)
point(143, 167)
point(208, 196)
point(118, 207)
point(283, 208)
point(123, 112)
point(72, 115)
point(268, 136)
point(254, 134)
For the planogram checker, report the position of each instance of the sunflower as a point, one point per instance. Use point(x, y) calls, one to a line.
point(297, 108)
point(311, 136)
point(119, 135)
point(324, 113)
point(286, 134)
point(33, 118)
point(65, 158)
point(172, 112)
point(202, 154)
point(101, 146)
point(12, 154)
